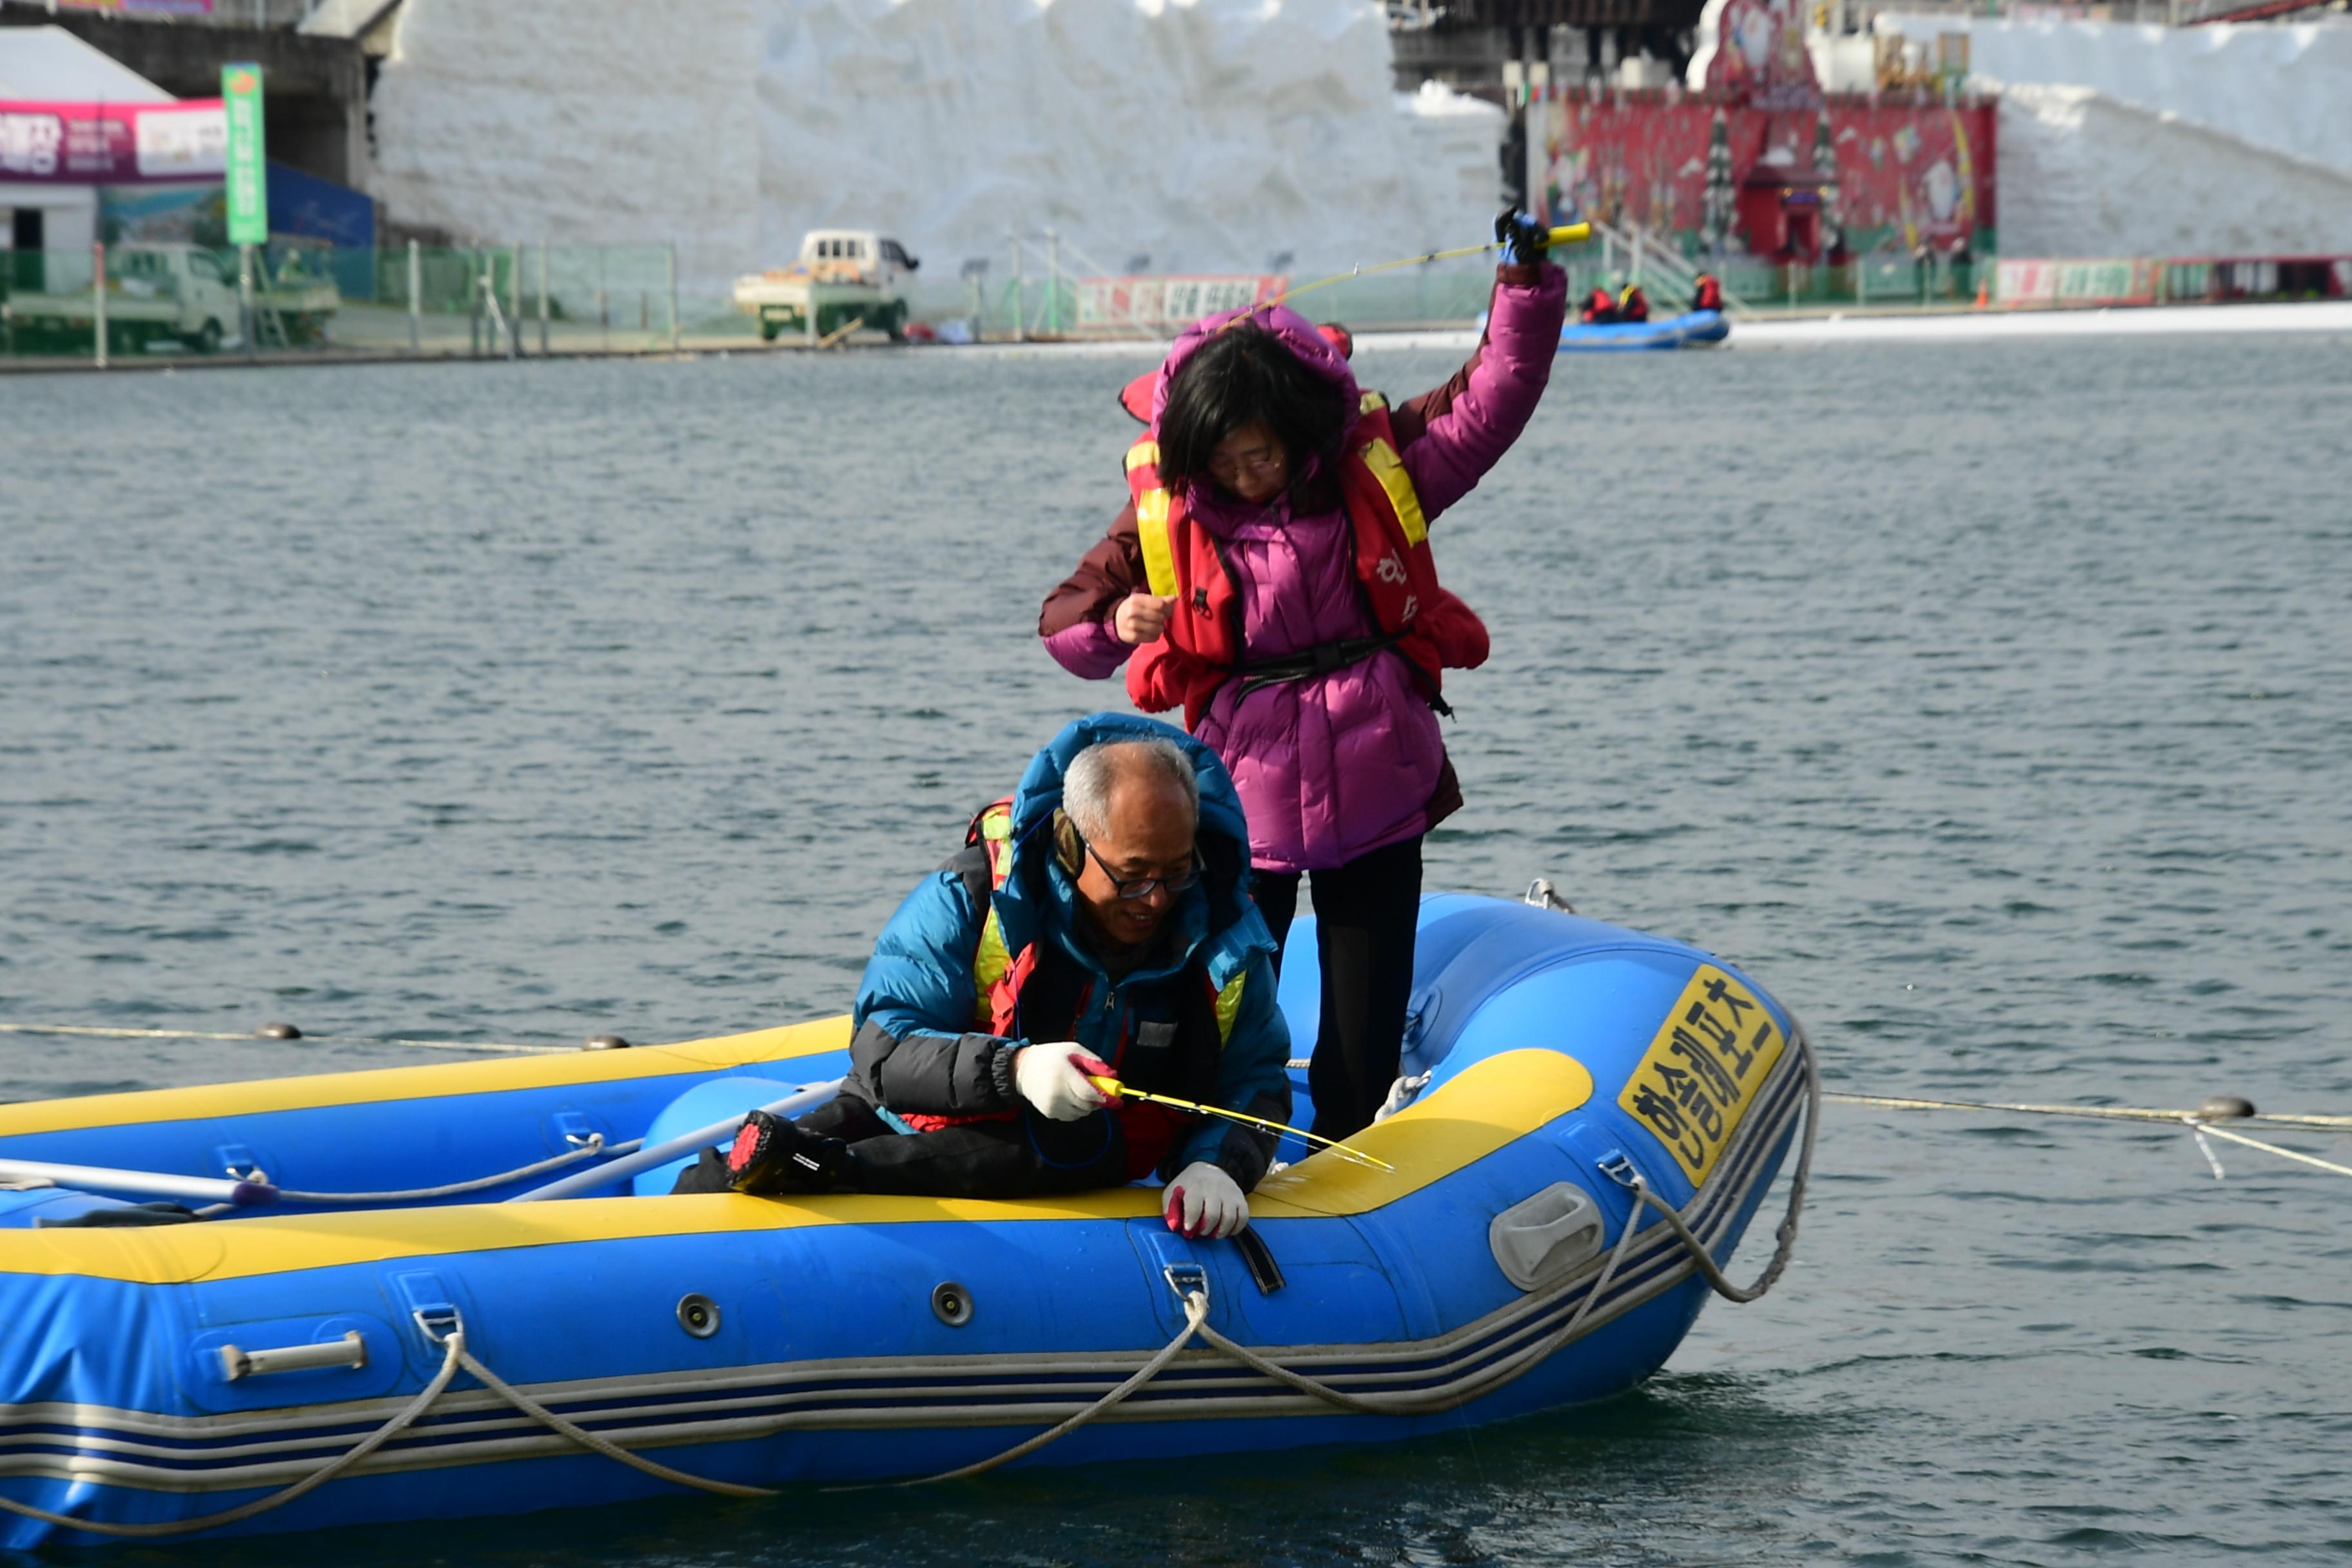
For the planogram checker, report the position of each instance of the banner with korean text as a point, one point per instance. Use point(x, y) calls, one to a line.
point(112, 143)
point(1168, 303)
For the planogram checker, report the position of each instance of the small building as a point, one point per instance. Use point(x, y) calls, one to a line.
point(43, 208)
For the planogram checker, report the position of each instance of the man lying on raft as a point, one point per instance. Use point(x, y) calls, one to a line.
point(1097, 924)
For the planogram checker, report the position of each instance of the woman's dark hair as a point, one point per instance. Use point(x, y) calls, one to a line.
point(1242, 374)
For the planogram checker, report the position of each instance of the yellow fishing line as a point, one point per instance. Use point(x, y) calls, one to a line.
point(1112, 1085)
point(1567, 234)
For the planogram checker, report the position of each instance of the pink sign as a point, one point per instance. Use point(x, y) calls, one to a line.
point(1157, 303)
point(112, 143)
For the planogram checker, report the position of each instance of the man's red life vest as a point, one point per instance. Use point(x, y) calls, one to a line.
point(1710, 294)
point(1202, 646)
point(1000, 979)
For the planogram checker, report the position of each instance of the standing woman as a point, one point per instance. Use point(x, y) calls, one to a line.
point(1272, 575)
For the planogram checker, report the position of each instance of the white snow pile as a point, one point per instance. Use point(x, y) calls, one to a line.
point(2120, 140)
point(2083, 174)
point(1206, 134)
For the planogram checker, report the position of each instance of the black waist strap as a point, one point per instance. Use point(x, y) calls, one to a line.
point(1310, 662)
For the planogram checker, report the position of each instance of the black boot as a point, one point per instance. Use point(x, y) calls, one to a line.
point(772, 1155)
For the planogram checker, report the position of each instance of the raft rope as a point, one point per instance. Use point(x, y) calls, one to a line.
point(406, 1418)
point(456, 1358)
point(1195, 1298)
point(594, 1148)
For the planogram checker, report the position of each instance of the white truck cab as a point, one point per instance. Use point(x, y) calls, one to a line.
point(843, 276)
point(153, 293)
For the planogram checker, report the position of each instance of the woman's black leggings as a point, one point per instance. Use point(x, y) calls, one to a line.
point(1366, 914)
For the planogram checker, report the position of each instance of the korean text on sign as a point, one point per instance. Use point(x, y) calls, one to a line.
point(1702, 1069)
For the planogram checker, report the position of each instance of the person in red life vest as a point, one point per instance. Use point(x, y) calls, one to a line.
point(1600, 308)
point(1096, 923)
point(1271, 575)
point(1633, 305)
point(1708, 295)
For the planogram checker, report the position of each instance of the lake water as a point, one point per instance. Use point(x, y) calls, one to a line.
point(1988, 704)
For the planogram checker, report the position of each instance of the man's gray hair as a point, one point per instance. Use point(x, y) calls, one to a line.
point(1086, 787)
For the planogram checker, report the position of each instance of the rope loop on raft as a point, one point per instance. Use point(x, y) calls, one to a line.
point(455, 1358)
point(1191, 1287)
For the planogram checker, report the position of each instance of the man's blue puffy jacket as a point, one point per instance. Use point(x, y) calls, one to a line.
point(917, 1051)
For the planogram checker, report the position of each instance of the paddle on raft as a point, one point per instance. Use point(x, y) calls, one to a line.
point(1111, 1086)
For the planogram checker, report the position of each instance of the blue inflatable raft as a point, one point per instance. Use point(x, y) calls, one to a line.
point(435, 1292)
point(1692, 327)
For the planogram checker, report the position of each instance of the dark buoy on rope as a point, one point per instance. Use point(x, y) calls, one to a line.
point(605, 1043)
point(279, 1032)
point(2225, 1108)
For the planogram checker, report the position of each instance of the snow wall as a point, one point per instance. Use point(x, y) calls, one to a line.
point(1210, 135)
point(2120, 139)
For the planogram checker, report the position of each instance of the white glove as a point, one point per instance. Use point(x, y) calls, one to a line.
point(1053, 1077)
point(1204, 1201)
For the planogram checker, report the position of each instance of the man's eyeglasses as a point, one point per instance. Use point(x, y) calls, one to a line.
point(1140, 887)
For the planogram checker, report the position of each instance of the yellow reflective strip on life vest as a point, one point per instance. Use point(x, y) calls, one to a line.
point(1159, 555)
point(1142, 452)
point(1229, 1007)
point(989, 963)
point(1388, 468)
point(1371, 401)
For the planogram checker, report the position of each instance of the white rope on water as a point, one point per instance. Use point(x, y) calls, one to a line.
point(2202, 1128)
point(2200, 1122)
point(94, 1032)
point(2107, 1112)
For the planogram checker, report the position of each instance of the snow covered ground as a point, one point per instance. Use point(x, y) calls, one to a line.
point(2120, 139)
point(1205, 134)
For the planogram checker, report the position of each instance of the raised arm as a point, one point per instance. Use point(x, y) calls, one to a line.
point(1466, 425)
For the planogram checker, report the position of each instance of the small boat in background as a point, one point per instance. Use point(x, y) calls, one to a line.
point(1690, 330)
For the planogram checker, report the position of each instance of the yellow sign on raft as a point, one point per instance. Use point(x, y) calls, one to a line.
point(1702, 1069)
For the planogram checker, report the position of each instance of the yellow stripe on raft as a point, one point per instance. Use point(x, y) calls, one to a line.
point(1492, 1103)
point(432, 1081)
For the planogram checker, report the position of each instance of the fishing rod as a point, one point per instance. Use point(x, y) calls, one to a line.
point(1111, 1086)
point(1566, 234)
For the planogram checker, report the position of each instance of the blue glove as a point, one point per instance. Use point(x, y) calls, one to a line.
point(1525, 241)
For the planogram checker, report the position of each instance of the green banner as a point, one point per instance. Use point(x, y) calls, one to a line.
point(248, 187)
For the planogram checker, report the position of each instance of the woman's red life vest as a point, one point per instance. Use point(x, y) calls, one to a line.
point(1203, 645)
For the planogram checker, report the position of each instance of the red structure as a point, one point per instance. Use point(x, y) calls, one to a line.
point(1759, 162)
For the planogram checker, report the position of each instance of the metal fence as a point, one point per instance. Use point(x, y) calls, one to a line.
point(183, 299)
